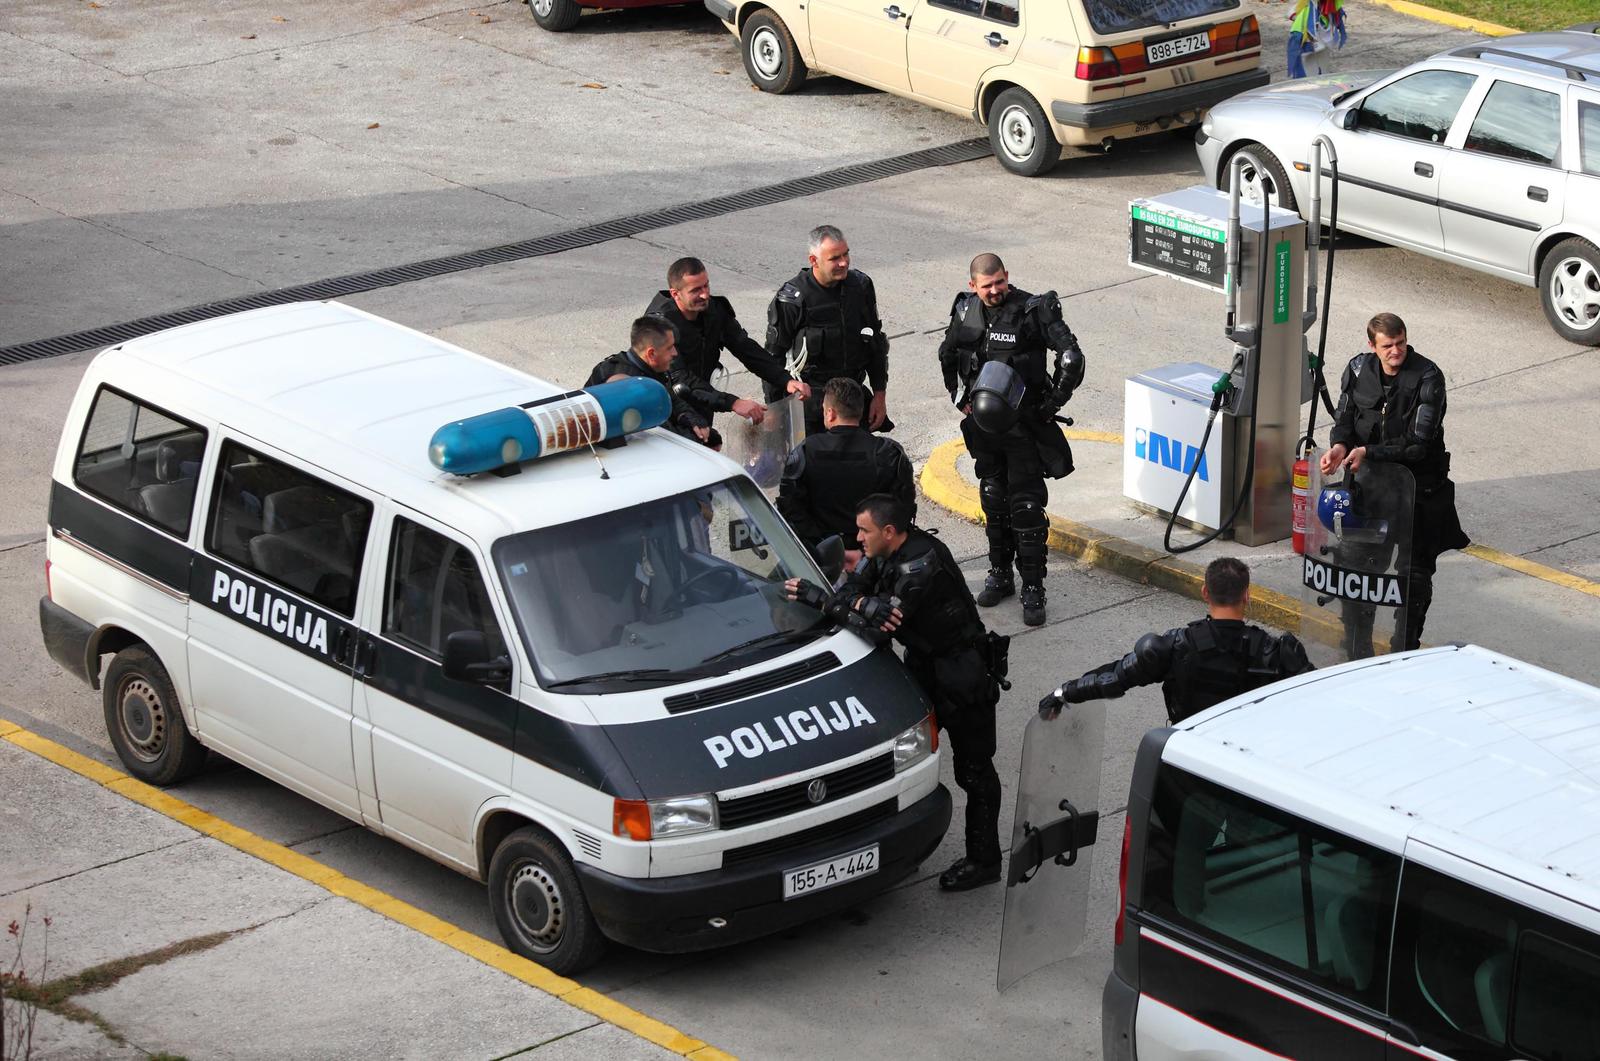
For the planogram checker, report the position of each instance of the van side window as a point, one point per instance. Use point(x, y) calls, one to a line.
point(1479, 976)
point(1282, 890)
point(290, 527)
point(434, 590)
point(141, 460)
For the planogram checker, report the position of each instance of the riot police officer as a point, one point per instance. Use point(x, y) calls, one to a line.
point(1201, 664)
point(1391, 408)
point(828, 474)
point(909, 588)
point(705, 326)
point(652, 353)
point(1014, 445)
point(824, 323)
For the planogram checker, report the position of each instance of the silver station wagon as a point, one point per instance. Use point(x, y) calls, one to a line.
point(1487, 156)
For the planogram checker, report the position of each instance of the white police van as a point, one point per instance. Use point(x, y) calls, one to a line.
point(1395, 858)
point(574, 678)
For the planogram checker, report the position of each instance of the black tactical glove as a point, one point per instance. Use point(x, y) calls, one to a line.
point(1051, 705)
point(810, 594)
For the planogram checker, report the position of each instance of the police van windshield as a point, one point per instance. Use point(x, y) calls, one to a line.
point(677, 588)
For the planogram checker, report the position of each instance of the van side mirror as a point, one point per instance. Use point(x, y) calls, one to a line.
point(1350, 119)
point(830, 557)
point(466, 659)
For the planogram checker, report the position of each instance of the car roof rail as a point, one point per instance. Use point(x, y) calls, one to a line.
point(1585, 27)
point(1575, 73)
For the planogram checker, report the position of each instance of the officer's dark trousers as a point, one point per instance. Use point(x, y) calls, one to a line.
point(1012, 492)
point(1417, 569)
point(964, 699)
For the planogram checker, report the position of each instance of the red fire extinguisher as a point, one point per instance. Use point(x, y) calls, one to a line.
point(1301, 491)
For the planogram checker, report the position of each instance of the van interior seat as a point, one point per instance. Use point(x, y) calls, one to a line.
point(170, 500)
point(301, 506)
point(1492, 983)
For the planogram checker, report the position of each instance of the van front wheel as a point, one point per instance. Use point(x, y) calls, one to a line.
point(539, 905)
point(1021, 135)
point(145, 722)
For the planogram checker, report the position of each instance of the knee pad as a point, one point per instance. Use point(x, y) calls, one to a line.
point(992, 496)
point(1028, 515)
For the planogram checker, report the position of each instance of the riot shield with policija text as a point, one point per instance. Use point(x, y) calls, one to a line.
point(1052, 841)
point(760, 449)
point(1358, 555)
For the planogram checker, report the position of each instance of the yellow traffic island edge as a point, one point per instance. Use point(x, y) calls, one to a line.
point(1448, 18)
point(492, 954)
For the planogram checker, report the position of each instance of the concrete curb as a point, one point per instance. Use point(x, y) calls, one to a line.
point(944, 485)
point(1448, 18)
point(308, 869)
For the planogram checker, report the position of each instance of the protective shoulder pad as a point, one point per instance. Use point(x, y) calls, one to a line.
point(1359, 362)
point(856, 276)
point(1153, 650)
point(918, 566)
point(1047, 303)
point(1431, 388)
point(790, 293)
point(963, 304)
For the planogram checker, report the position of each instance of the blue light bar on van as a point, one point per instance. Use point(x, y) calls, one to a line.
point(556, 424)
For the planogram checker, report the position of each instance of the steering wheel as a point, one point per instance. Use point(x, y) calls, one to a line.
point(730, 575)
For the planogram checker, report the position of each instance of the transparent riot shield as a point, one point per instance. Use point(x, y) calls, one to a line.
point(1358, 556)
point(1052, 841)
point(760, 449)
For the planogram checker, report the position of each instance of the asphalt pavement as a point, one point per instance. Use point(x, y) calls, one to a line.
point(163, 154)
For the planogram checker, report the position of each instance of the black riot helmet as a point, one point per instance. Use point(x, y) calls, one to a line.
point(996, 397)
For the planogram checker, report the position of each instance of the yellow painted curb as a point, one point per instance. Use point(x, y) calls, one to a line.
point(1536, 570)
point(473, 946)
point(1448, 18)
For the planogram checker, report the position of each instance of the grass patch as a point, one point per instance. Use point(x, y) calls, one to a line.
point(1526, 15)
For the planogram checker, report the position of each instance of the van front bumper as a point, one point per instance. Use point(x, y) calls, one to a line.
point(670, 915)
point(1152, 106)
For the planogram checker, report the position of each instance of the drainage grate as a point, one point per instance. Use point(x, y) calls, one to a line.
point(555, 243)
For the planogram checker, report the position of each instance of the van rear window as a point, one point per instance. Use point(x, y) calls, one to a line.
point(1272, 886)
point(140, 459)
point(1119, 16)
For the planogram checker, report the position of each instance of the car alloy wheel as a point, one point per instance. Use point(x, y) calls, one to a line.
point(542, 8)
point(1575, 293)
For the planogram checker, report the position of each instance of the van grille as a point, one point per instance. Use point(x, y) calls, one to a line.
point(775, 803)
point(817, 834)
point(756, 683)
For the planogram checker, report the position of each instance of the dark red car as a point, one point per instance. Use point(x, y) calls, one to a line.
point(557, 16)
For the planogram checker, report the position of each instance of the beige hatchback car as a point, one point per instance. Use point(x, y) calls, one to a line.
point(1039, 73)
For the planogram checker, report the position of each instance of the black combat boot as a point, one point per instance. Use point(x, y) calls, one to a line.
point(997, 586)
point(965, 874)
point(1033, 604)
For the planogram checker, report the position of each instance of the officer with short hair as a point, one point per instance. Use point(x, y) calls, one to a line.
point(824, 323)
point(1013, 452)
point(705, 327)
point(910, 589)
point(652, 353)
point(826, 475)
point(1201, 664)
point(1391, 408)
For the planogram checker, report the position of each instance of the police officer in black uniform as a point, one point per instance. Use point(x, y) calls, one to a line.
point(827, 475)
point(828, 314)
point(705, 327)
point(909, 588)
point(1391, 408)
point(651, 353)
point(1201, 664)
point(994, 321)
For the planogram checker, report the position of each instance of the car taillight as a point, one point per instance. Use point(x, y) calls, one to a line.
point(1097, 63)
point(1122, 880)
point(47, 590)
point(1249, 33)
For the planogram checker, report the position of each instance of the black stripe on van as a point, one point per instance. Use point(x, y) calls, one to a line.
point(119, 536)
point(277, 613)
point(1265, 1018)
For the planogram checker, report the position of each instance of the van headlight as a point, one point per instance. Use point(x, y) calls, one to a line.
point(915, 744)
point(657, 819)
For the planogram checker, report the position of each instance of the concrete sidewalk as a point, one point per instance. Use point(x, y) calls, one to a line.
point(165, 940)
point(1484, 595)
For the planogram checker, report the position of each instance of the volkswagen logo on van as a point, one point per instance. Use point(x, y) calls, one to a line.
point(817, 791)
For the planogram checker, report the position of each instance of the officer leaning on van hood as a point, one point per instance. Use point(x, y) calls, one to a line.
point(1391, 408)
point(1009, 423)
point(910, 589)
point(652, 353)
point(824, 323)
point(1201, 664)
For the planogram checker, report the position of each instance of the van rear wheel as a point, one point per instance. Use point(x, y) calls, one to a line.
point(1021, 135)
point(145, 722)
point(539, 905)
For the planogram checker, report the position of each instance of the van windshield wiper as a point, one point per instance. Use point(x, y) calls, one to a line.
point(774, 638)
point(637, 674)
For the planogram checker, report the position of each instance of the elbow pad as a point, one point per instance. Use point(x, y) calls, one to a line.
point(1430, 407)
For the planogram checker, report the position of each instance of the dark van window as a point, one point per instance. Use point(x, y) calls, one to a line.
point(1517, 122)
point(435, 589)
point(141, 460)
point(285, 525)
point(1478, 976)
point(1421, 107)
point(1115, 16)
point(1278, 889)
